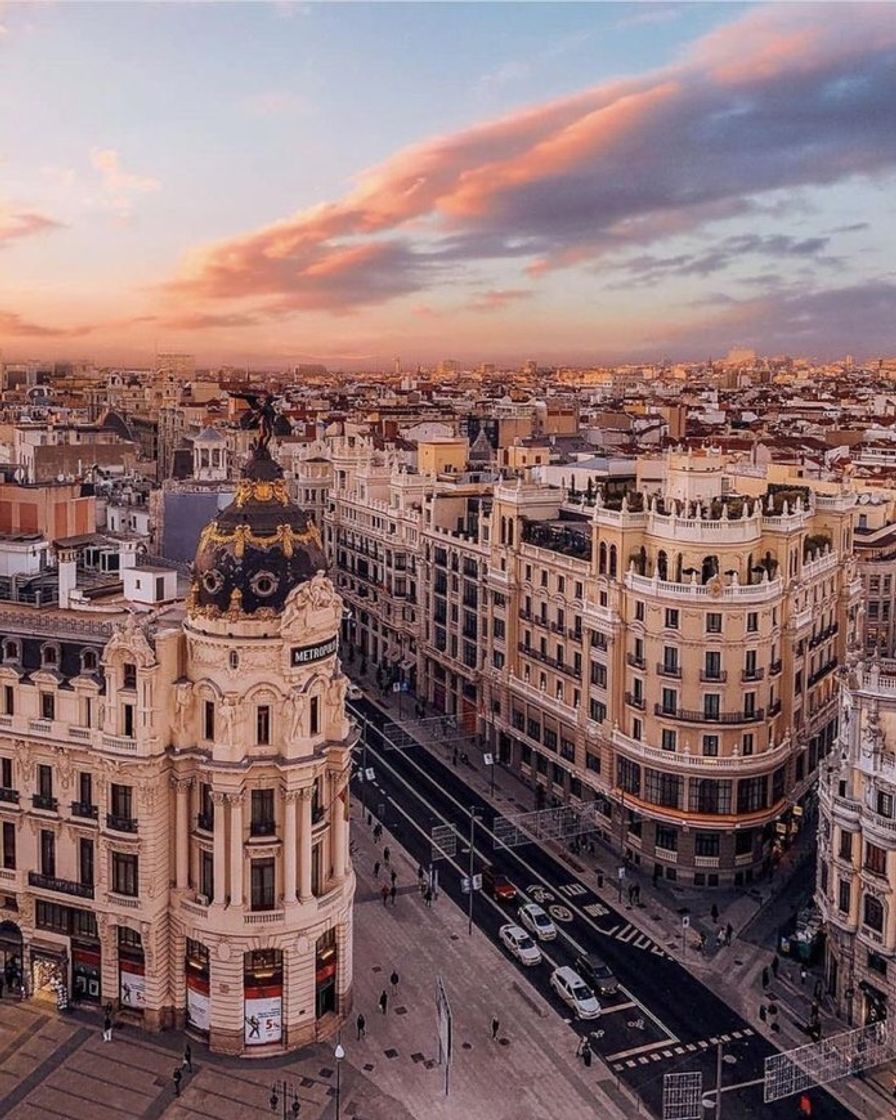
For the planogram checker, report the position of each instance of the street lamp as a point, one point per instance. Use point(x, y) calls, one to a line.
point(338, 1054)
point(281, 1092)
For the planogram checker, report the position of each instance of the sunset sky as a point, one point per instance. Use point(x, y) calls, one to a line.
point(273, 183)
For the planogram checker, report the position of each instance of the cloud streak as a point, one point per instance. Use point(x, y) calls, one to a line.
point(16, 225)
point(119, 187)
point(15, 326)
point(781, 99)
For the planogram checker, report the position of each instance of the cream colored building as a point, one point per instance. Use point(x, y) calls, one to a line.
point(174, 792)
point(856, 877)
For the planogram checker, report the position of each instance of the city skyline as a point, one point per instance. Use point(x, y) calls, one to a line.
point(271, 183)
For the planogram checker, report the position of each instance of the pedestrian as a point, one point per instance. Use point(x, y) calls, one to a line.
point(776, 964)
point(720, 937)
point(392, 893)
point(454, 757)
point(729, 933)
point(376, 869)
point(765, 978)
point(714, 912)
point(361, 1024)
point(817, 990)
point(377, 831)
point(496, 1026)
point(393, 875)
point(586, 1055)
point(188, 1058)
point(107, 1028)
point(393, 980)
point(386, 854)
point(384, 891)
point(805, 1106)
point(803, 974)
point(384, 1001)
point(420, 875)
point(580, 1049)
point(701, 942)
point(814, 1010)
point(763, 1014)
point(177, 1075)
point(427, 896)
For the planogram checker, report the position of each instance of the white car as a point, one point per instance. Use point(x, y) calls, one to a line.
point(575, 993)
point(354, 693)
point(536, 921)
point(520, 944)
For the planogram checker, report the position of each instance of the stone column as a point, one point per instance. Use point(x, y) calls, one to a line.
point(305, 846)
point(338, 826)
point(236, 848)
point(290, 845)
point(219, 850)
point(182, 832)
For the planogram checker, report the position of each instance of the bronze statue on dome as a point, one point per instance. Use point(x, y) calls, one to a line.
point(260, 416)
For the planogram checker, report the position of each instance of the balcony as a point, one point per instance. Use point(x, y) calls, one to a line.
point(635, 701)
point(263, 828)
point(823, 671)
point(774, 708)
point(664, 670)
point(84, 809)
point(60, 886)
point(121, 824)
point(10, 796)
point(42, 801)
point(688, 716)
point(751, 675)
point(635, 661)
point(775, 668)
point(713, 676)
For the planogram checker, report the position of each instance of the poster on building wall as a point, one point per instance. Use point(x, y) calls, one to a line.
point(263, 1015)
point(132, 984)
point(197, 1003)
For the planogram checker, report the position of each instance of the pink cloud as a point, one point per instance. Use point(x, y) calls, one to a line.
point(15, 326)
point(119, 186)
point(780, 99)
point(497, 299)
point(16, 225)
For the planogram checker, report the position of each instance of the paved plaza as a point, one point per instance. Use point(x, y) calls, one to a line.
point(56, 1067)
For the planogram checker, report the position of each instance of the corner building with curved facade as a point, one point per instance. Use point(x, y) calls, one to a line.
point(175, 836)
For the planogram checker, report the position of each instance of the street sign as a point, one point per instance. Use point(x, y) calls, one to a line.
point(368, 774)
point(685, 921)
point(488, 759)
point(396, 687)
point(443, 842)
point(621, 873)
point(477, 882)
point(464, 884)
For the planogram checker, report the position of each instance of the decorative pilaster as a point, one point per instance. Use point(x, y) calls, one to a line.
point(235, 800)
point(290, 845)
point(219, 851)
point(182, 787)
point(338, 827)
point(305, 846)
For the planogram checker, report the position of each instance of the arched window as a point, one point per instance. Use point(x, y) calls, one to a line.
point(11, 650)
point(234, 659)
point(88, 661)
point(873, 915)
point(49, 655)
point(614, 560)
point(709, 569)
point(662, 564)
point(602, 559)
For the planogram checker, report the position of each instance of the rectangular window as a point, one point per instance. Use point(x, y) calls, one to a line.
point(670, 701)
point(875, 859)
point(671, 618)
point(262, 882)
point(844, 896)
point(207, 875)
point(314, 716)
point(845, 850)
point(127, 720)
point(47, 705)
point(85, 862)
point(750, 663)
point(752, 622)
point(639, 611)
point(713, 623)
point(709, 796)
point(47, 853)
point(598, 711)
point(670, 659)
point(6, 773)
point(262, 823)
point(666, 838)
point(711, 705)
point(663, 789)
point(711, 746)
point(122, 801)
point(592, 763)
point(533, 729)
point(208, 723)
point(598, 674)
point(9, 700)
point(129, 676)
point(628, 774)
point(263, 725)
point(752, 794)
point(9, 845)
point(124, 874)
point(747, 743)
point(45, 781)
point(85, 787)
point(712, 665)
point(743, 842)
point(669, 739)
point(637, 729)
point(885, 804)
point(706, 844)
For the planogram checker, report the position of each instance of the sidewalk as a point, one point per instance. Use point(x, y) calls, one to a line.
point(733, 972)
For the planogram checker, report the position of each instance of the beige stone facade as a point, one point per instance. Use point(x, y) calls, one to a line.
point(174, 809)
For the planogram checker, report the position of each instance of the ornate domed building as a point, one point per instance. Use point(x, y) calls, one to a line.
point(261, 748)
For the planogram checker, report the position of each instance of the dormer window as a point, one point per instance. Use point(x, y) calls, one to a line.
point(12, 650)
point(49, 655)
point(88, 661)
point(128, 675)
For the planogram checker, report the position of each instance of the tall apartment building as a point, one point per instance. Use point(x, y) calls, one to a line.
point(672, 657)
point(174, 792)
point(876, 561)
point(856, 880)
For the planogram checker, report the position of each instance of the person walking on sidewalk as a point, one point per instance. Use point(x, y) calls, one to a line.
point(361, 1024)
point(393, 874)
point(803, 974)
point(776, 964)
point(427, 896)
point(177, 1076)
point(188, 1058)
point(377, 831)
point(729, 933)
point(701, 942)
point(496, 1026)
point(393, 891)
point(384, 891)
point(384, 1001)
point(765, 978)
point(386, 855)
point(107, 1028)
point(376, 869)
point(420, 876)
point(804, 1109)
point(393, 980)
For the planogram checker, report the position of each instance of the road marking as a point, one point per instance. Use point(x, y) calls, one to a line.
point(635, 1050)
point(608, 1009)
point(483, 828)
point(570, 889)
point(595, 909)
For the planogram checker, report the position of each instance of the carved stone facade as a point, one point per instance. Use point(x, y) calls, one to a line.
point(175, 814)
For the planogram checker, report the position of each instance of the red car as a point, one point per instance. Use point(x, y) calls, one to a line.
point(498, 885)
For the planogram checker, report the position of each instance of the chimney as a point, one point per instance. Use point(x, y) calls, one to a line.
point(128, 554)
point(67, 559)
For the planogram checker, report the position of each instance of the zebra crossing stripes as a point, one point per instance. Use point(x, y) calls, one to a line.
point(661, 1054)
point(631, 935)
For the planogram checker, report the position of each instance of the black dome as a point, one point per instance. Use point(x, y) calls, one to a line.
point(257, 549)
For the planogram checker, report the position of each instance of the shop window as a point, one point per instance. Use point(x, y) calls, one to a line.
point(326, 957)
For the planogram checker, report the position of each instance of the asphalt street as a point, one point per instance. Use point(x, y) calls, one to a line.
point(662, 1020)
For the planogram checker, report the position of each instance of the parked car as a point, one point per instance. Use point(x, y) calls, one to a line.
point(597, 974)
point(498, 885)
point(536, 921)
point(575, 993)
point(353, 692)
point(520, 944)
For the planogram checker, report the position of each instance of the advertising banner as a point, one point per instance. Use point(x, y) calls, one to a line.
point(197, 1003)
point(263, 1016)
point(132, 983)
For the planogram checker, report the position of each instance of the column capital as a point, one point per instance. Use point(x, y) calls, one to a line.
point(181, 785)
point(217, 797)
point(306, 793)
point(233, 798)
point(291, 796)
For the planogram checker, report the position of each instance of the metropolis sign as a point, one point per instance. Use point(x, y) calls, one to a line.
point(303, 655)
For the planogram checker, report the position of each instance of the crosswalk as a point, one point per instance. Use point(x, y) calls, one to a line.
point(631, 935)
point(663, 1051)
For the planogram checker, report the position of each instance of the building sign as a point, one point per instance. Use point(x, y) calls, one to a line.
point(132, 983)
point(263, 1015)
point(304, 655)
point(197, 1003)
